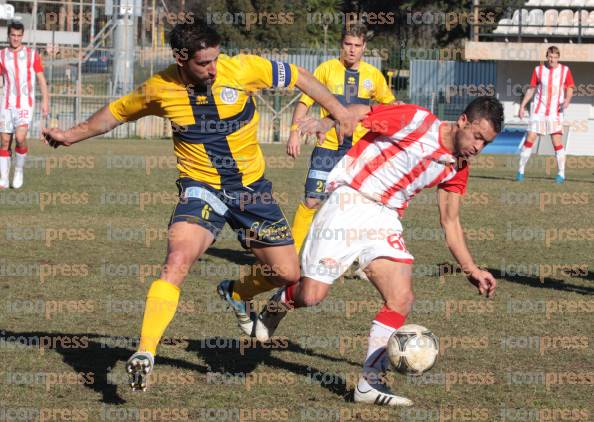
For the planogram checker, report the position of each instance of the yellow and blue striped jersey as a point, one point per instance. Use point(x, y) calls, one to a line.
point(215, 131)
point(350, 87)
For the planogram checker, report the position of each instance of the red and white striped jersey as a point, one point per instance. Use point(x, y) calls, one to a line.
point(18, 69)
point(400, 156)
point(550, 87)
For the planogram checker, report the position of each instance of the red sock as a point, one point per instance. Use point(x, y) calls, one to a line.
point(21, 150)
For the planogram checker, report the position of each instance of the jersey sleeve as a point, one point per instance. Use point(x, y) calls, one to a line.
point(383, 93)
point(569, 83)
point(320, 75)
point(141, 102)
point(258, 73)
point(534, 79)
point(37, 64)
point(388, 119)
point(457, 184)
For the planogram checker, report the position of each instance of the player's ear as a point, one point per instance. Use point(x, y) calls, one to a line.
point(462, 120)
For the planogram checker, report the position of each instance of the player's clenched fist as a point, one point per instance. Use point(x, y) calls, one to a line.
point(484, 281)
point(55, 137)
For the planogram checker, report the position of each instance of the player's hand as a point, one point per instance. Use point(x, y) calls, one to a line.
point(484, 282)
point(317, 127)
point(55, 137)
point(345, 124)
point(521, 113)
point(294, 144)
point(45, 109)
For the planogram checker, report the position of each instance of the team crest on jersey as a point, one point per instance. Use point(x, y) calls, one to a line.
point(351, 80)
point(367, 84)
point(229, 95)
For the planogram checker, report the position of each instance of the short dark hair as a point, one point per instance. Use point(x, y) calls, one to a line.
point(488, 108)
point(354, 30)
point(15, 25)
point(191, 37)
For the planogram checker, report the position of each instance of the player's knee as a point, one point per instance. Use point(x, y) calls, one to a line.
point(312, 203)
point(291, 275)
point(312, 298)
point(178, 262)
point(401, 302)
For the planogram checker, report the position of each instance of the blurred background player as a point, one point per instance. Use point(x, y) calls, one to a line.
point(352, 81)
point(553, 84)
point(20, 66)
point(208, 97)
point(407, 150)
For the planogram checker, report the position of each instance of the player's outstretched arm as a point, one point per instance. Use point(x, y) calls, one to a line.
point(449, 218)
point(99, 123)
point(319, 127)
point(307, 83)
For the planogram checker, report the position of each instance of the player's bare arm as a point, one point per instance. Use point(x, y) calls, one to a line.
point(294, 144)
point(449, 218)
point(307, 83)
point(319, 127)
point(44, 93)
point(527, 97)
point(568, 96)
point(99, 123)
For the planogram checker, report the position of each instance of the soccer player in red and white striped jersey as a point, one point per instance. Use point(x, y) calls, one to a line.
point(407, 149)
point(553, 85)
point(20, 66)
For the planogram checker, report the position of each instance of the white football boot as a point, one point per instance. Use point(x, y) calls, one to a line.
point(378, 394)
point(270, 317)
point(243, 310)
point(138, 367)
point(17, 178)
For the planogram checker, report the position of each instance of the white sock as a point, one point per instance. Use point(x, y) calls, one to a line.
point(4, 167)
point(19, 162)
point(524, 157)
point(561, 161)
point(376, 361)
point(382, 327)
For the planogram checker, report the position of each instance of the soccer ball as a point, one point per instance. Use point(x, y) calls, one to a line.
point(413, 349)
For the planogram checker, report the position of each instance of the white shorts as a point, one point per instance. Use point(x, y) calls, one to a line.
point(11, 118)
point(347, 227)
point(546, 125)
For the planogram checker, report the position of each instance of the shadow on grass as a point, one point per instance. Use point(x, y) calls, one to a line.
point(96, 354)
point(547, 282)
point(241, 356)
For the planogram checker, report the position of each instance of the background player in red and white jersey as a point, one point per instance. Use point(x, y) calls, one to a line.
point(19, 66)
point(553, 84)
point(407, 149)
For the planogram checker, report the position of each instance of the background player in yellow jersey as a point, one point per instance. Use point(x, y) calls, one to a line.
point(352, 81)
point(208, 98)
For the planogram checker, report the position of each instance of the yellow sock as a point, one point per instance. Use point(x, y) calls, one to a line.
point(161, 304)
point(250, 285)
point(301, 223)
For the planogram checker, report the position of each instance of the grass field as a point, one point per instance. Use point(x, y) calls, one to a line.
point(83, 239)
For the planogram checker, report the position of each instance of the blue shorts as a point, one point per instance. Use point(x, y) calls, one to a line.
point(322, 162)
point(251, 211)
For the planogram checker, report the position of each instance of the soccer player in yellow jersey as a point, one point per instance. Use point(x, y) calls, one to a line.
point(208, 98)
point(352, 81)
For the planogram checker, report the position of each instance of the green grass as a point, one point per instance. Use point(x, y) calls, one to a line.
point(90, 269)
